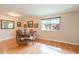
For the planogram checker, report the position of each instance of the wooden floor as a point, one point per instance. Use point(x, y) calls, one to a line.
point(44, 47)
point(67, 48)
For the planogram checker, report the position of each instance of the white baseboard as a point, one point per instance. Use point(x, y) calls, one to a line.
point(60, 41)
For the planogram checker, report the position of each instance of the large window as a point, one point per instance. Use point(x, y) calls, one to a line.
point(50, 24)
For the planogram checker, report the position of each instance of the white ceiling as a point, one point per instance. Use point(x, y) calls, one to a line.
point(37, 9)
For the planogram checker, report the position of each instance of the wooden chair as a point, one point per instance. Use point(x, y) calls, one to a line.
point(21, 38)
point(32, 35)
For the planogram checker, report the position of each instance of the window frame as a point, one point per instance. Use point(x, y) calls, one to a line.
point(50, 23)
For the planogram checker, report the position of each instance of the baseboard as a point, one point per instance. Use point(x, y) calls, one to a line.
point(60, 41)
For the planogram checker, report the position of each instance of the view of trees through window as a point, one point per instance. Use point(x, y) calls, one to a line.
point(50, 24)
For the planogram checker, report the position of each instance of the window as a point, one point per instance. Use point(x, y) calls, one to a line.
point(50, 24)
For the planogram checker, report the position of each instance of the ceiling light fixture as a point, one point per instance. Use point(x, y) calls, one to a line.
point(14, 14)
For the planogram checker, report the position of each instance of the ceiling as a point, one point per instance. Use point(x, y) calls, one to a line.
point(37, 9)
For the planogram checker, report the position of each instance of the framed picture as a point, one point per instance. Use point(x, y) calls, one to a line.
point(18, 24)
point(25, 25)
point(36, 25)
point(7, 24)
point(30, 24)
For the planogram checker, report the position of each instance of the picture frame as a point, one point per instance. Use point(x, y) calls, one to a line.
point(7, 24)
point(25, 25)
point(35, 25)
point(18, 24)
point(30, 24)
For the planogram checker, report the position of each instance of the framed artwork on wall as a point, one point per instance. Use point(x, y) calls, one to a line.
point(35, 25)
point(7, 24)
point(30, 24)
point(18, 24)
point(25, 25)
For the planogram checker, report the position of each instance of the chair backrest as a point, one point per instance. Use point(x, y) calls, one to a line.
point(18, 32)
point(31, 32)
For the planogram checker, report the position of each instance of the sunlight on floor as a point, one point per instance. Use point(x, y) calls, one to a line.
point(46, 49)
